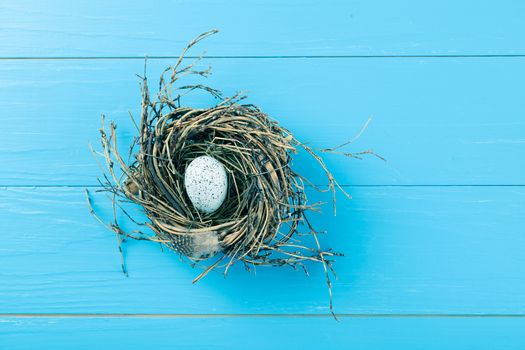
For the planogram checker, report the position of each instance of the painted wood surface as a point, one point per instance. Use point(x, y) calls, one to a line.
point(433, 238)
point(433, 250)
point(262, 333)
point(447, 121)
point(262, 28)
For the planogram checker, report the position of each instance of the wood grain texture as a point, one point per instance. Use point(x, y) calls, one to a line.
point(436, 121)
point(433, 238)
point(416, 250)
point(261, 28)
point(263, 333)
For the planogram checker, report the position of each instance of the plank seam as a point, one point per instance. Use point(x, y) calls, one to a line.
point(317, 185)
point(118, 315)
point(258, 57)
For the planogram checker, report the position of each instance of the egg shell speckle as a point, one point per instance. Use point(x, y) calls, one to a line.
point(206, 183)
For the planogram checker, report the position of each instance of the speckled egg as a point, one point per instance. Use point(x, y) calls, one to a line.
point(206, 183)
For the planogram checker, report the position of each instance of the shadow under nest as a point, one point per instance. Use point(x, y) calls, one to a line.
point(263, 220)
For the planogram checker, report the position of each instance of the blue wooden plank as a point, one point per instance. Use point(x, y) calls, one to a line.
point(296, 27)
point(437, 121)
point(408, 250)
point(262, 333)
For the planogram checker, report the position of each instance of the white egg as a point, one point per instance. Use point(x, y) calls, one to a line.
point(206, 183)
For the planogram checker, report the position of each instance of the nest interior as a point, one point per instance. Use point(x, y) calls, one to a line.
point(264, 193)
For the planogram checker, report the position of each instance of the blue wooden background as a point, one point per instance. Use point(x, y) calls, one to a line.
point(434, 238)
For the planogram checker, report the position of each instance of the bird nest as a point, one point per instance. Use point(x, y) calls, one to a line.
point(264, 216)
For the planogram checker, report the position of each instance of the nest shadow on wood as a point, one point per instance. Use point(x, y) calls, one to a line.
point(263, 220)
